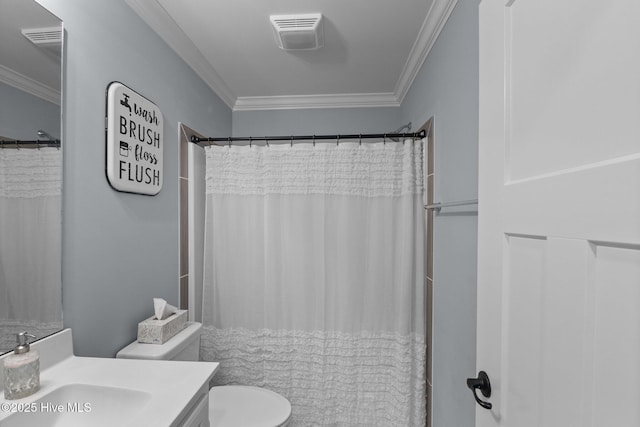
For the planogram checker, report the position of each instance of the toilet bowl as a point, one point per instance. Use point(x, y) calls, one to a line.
point(229, 406)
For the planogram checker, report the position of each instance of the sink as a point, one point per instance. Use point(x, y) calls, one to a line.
point(93, 391)
point(79, 405)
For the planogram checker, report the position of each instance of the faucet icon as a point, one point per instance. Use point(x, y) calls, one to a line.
point(125, 102)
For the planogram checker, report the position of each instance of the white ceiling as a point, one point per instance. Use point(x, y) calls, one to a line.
point(372, 51)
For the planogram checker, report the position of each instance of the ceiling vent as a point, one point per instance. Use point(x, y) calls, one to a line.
point(49, 38)
point(298, 32)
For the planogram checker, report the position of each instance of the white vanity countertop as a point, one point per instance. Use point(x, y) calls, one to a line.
point(172, 385)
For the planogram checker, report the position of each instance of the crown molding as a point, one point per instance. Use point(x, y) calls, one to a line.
point(355, 100)
point(159, 20)
point(29, 85)
point(435, 21)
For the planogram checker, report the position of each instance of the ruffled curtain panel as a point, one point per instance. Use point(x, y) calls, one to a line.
point(30, 242)
point(314, 278)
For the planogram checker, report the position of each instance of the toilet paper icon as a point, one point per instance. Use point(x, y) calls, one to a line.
point(124, 149)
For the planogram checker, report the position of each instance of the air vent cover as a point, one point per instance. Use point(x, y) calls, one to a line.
point(50, 37)
point(298, 32)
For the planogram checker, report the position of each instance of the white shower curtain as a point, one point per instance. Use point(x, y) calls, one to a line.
point(313, 282)
point(30, 242)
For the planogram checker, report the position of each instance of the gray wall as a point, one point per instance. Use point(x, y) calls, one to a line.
point(120, 250)
point(23, 114)
point(316, 121)
point(447, 89)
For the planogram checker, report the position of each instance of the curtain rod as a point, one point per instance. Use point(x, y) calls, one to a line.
point(16, 143)
point(439, 205)
point(297, 138)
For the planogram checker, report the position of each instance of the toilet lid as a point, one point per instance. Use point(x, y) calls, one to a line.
point(244, 406)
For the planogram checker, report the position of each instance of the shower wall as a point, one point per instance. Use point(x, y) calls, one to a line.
point(23, 114)
point(316, 121)
point(447, 89)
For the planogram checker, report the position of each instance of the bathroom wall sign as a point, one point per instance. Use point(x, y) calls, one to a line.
point(134, 141)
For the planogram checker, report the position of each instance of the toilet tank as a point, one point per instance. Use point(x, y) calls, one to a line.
point(185, 345)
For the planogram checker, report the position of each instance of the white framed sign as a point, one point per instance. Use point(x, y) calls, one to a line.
point(135, 141)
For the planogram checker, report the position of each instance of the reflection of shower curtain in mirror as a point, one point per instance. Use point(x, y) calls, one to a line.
point(30, 242)
point(314, 278)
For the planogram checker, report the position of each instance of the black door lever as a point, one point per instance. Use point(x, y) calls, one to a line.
point(481, 383)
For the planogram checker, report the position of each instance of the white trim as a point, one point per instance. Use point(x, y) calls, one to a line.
point(152, 12)
point(433, 24)
point(159, 20)
point(29, 85)
point(354, 100)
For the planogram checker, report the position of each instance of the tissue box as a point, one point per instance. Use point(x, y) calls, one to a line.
point(153, 331)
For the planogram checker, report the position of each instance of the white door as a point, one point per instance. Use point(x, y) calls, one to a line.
point(559, 213)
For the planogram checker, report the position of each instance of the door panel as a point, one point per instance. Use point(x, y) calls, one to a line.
point(526, 258)
point(616, 337)
point(559, 212)
point(596, 201)
point(571, 82)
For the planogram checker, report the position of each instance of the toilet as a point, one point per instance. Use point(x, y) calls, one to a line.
point(229, 406)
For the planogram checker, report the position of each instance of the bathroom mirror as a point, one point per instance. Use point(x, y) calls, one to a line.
point(30, 171)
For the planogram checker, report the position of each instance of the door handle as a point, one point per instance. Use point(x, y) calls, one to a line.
point(481, 383)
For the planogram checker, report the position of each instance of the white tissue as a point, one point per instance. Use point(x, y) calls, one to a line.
point(162, 309)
